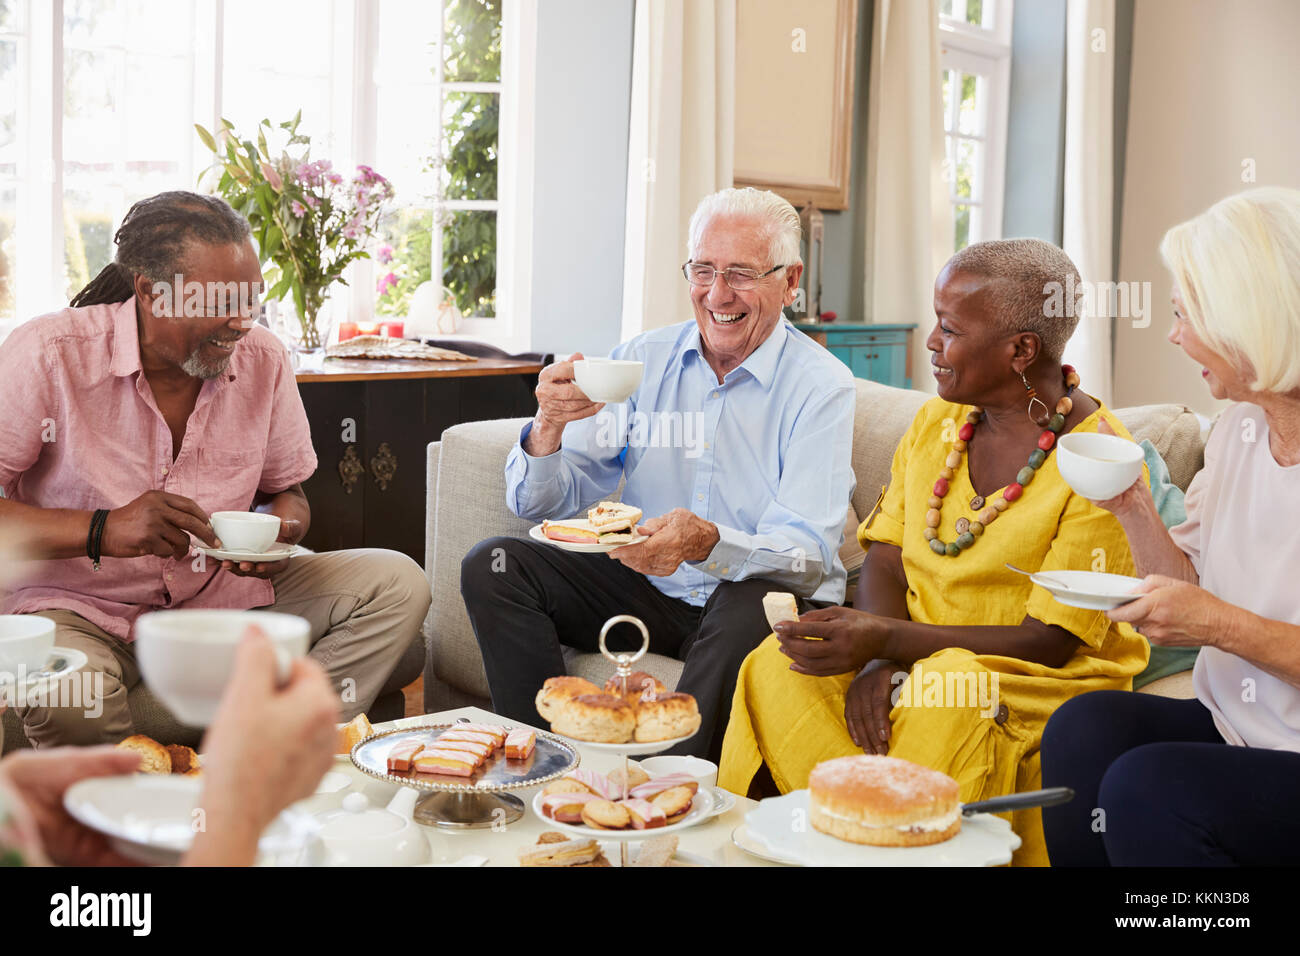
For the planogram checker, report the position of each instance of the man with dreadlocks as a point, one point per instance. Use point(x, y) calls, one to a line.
point(130, 417)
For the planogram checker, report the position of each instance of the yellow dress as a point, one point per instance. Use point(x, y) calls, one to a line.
point(976, 717)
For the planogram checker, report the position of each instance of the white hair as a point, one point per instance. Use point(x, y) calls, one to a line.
point(777, 215)
point(1238, 266)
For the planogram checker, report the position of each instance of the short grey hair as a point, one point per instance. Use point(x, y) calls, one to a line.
point(1027, 275)
point(780, 218)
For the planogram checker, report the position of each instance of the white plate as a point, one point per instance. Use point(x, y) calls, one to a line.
point(701, 810)
point(535, 532)
point(254, 557)
point(631, 748)
point(1091, 590)
point(61, 662)
point(152, 818)
point(783, 826)
point(745, 840)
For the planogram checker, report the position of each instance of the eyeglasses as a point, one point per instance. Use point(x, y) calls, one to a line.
point(739, 279)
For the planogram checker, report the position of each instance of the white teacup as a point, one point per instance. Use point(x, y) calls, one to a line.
point(1098, 466)
point(186, 657)
point(26, 641)
point(246, 530)
point(608, 380)
point(704, 771)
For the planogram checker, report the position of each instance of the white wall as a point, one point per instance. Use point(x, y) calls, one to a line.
point(583, 104)
point(1214, 84)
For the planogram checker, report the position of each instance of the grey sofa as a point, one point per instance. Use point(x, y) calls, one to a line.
point(466, 503)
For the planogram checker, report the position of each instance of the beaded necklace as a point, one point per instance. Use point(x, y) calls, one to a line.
point(969, 529)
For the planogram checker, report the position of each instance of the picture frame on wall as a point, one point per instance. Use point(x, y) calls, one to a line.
point(794, 103)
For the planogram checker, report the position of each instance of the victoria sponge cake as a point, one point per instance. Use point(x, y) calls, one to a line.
point(883, 801)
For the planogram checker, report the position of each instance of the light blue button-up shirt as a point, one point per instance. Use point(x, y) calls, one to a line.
point(765, 456)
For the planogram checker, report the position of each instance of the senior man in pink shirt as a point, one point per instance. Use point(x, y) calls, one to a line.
point(128, 402)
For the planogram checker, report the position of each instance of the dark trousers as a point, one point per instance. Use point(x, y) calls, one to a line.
point(525, 599)
point(1156, 785)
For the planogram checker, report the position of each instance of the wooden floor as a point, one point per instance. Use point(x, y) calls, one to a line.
point(414, 694)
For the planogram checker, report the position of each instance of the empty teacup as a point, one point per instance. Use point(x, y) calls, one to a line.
point(607, 380)
point(26, 641)
point(1098, 466)
point(186, 657)
point(246, 530)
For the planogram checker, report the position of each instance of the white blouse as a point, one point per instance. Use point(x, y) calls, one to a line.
point(1242, 535)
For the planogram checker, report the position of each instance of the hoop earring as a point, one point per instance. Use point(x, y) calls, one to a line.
point(1033, 397)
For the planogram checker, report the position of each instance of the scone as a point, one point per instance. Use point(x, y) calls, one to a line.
point(667, 718)
point(154, 757)
point(558, 689)
point(185, 761)
point(598, 718)
point(352, 733)
point(638, 683)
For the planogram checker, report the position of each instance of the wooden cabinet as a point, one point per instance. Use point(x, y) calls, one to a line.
point(371, 423)
point(881, 353)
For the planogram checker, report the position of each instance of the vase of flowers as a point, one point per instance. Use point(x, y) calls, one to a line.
point(309, 220)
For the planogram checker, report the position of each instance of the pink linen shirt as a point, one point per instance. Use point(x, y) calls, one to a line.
point(79, 429)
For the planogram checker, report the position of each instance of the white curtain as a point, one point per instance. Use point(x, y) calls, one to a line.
point(1087, 223)
point(680, 146)
point(909, 219)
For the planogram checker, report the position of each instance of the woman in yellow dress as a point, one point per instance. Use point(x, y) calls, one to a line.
point(947, 658)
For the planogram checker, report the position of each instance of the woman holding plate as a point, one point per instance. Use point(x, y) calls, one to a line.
point(983, 655)
point(1214, 780)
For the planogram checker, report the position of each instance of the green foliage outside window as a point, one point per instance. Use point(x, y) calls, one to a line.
point(468, 168)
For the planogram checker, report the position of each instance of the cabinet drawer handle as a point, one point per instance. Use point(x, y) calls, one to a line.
point(383, 466)
point(350, 469)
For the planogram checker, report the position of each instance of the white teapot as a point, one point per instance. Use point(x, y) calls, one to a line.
point(361, 835)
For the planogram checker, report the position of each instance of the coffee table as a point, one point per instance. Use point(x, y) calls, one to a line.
point(711, 840)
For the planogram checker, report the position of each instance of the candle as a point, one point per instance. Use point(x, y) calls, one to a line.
point(395, 330)
point(347, 330)
point(368, 328)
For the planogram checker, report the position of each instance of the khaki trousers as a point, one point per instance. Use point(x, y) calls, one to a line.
point(364, 606)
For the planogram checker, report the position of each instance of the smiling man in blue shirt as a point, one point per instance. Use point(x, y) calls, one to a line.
point(735, 446)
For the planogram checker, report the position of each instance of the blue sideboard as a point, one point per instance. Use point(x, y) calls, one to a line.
point(881, 353)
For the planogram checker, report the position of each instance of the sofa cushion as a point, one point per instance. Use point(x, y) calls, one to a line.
point(1175, 431)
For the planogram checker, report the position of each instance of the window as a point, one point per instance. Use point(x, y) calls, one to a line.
point(975, 57)
point(96, 113)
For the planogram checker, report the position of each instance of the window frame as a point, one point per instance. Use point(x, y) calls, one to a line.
point(39, 178)
point(964, 47)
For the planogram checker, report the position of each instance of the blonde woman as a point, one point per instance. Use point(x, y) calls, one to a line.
point(1214, 780)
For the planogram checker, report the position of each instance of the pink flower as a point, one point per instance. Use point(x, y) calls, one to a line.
point(387, 282)
point(334, 178)
point(298, 209)
point(385, 254)
point(350, 232)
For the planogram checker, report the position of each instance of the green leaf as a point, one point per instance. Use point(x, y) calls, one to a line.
point(274, 240)
point(206, 137)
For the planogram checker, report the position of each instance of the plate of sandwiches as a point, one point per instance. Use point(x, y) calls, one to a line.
point(464, 756)
point(593, 804)
point(869, 810)
point(643, 717)
point(609, 525)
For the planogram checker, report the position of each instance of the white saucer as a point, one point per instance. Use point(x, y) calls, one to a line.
point(1091, 590)
point(254, 557)
point(781, 825)
point(61, 662)
point(701, 810)
point(723, 800)
point(153, 818)
point(744, 840)
point(535, 532)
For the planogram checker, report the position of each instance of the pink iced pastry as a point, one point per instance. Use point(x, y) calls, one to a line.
point(520, 744)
